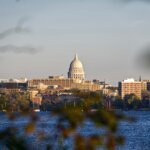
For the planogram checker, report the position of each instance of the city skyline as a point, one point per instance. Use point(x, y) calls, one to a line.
point(40, 40)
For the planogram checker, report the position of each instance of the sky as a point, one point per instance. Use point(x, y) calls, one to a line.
point(39, 38)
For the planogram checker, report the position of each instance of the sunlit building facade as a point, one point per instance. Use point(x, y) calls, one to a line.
point(65, 83)
point(130, 86)
point(75, 80)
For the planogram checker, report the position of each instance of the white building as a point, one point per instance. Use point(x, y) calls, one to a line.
point(76, 70)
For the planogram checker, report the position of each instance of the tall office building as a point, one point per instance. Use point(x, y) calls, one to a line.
point(130, 86)
point(76, 70)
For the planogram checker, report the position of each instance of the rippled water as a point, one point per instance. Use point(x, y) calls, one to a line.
point(137, 134)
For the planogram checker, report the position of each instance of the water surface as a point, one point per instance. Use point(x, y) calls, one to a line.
point(137, 134)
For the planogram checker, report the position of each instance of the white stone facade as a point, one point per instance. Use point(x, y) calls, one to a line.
point(76, 70)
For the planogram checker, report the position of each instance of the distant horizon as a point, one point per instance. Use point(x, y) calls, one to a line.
point(38, 77)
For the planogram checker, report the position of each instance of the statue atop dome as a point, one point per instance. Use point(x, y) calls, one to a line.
point(76, 70)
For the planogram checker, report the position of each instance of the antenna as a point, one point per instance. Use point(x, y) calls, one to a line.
point(140, 78)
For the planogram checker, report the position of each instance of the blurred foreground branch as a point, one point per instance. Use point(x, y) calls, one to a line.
point(68, 119)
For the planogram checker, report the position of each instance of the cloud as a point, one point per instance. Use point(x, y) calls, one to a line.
point(19, 49)
point(18, 29)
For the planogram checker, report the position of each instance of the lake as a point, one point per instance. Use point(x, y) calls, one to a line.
point(137, 134)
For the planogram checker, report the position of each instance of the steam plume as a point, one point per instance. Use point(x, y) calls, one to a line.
point(18, 29)
point(18, 49)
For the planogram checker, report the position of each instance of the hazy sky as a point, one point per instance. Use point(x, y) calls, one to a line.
point(39, 38)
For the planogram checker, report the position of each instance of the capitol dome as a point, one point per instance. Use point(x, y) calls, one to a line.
point(76, 70)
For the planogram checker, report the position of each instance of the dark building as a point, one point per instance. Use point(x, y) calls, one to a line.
point(13, 85)
point(148, 86)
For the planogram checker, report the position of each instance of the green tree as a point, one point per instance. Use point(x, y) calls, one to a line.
point(132, 101)
point(3, 102)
